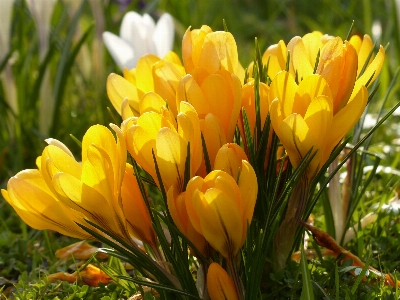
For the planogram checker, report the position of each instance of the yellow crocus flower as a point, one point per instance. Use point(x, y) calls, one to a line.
point(220, 208)
point(303, 118)
point(177, 208)
point(212, 51)
point(340, 64)
point(151, 74)
point(217, 100)
point(156, 130)
point(102, 188)
point(220, 286)
point(27, 192)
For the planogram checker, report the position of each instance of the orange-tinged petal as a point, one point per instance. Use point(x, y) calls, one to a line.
point(229, 159)
point(347, 77)
point(135, 209)
point(177, 207)
point(284, 88)
point(248, 188)
point(195, 183)
point(221, 222)
point(118, 88)
point(90, 276)
point(219, 96)
point(192, 43)
point(144, 71)
point(214, 135)
point(220, 286)
point(189, 91)
point(171, 157)
point(79, 250)
point(219, 52)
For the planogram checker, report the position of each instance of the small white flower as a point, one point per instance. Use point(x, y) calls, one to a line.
point(139, 36)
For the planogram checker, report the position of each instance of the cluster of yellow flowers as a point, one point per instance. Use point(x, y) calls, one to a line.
point(316, 93)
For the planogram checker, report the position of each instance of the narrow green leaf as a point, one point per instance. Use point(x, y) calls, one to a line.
point(307, 291)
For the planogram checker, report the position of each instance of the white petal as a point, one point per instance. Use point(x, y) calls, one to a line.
point(130, 20)
point(147, 33)
point(163, 37)
point(121, 51)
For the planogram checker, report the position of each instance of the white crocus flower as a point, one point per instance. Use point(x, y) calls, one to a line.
point(139, 36)
point(5, 17)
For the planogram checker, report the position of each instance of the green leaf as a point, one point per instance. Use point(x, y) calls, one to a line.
point(307, 291)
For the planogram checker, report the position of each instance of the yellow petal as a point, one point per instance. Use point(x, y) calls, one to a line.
point(363, 53)
point(144, 68)
point(171, 157)
point(189, 130)
point(33, 201)
point(177, 207)
point(373, 70)
point(220, 220)
point(192, 44)
point(248, 190)
point(173, 57)
point(229, 159)
point(118, 88)
point(220, 286)
point(299, 62)
point(298, 141)
point(214, 135)
point(319, 119)
point(284, 88)
point(312, 44)
point(151, 102)
point(219, 52)
point(126, 111)
point(275, 58)
point(311, 87)
point(166, 79)
point(189, 91)
point(346, 118)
